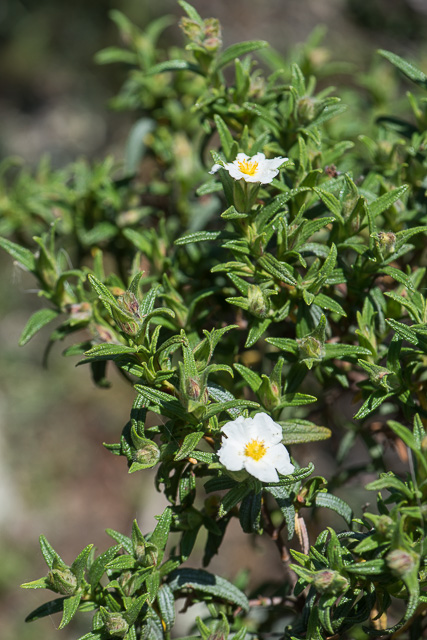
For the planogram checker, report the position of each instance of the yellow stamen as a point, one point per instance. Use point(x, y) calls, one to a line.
point(255, 449)
point(248, 167)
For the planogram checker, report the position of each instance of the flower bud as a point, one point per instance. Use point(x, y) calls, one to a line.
point(310, 348)
point(127, 582)
point(115, 624)
point(130, 320)
point(387, 241)
point(148, 453)
point(62, 581)
point(212, 35)
point(258, 303)
point(191, 29)
point(306, 109)
point(330, 582)
point(401, 562)
point(79, 311)
point(384, 526)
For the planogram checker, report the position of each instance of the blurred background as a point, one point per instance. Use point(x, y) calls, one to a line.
point(55, 476)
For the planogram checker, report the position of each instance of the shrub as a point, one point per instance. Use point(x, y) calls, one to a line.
point(240, 295)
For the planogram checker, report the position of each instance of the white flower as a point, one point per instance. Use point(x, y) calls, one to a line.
point(255, 444)
point(252, 169)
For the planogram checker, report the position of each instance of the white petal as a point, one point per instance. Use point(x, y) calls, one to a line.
point(275, 163)
point(241, 157)
point(267, 428)
point(278, 455)
point(258, 157)
point(230, 456)
point(236, 429)
point(237, 174)
point(261, 469)
point(215, 168)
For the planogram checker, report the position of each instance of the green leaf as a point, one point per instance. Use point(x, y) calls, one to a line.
point(252, 378)
point(298, 432)
point(198, 236)
point(163, 403)
point(106, 350)
point(191, 12)
point(250, 512)
point(331, 202)
point(403, 331)
point(49, 554)
point(159, 537)
point(279, 270)
point(233, 497)
point(283, 498)
point(344, 351)
point(399, 276)
point(191, 440)
point(115, 54)
point(135, 145)
point(238, 50)
point(368, 568)
point(219, 407)
point(166, 602)
point(225, 136)
point(99, 565)
point(336, 504)
point(373, 402)
point(205, 582)
point(325, 302)
point(258, 328)
point(385, 201)
point(295, 400)
point(174, 65)
point(390, 481)
point(38, 320)
point(79, 565)
point(410, 71)
point(71, 605)
point(123, 540)
point(41, 583)
point(46, 609)
point(22, 255)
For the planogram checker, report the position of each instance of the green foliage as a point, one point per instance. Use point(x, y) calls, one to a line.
point(220, 299)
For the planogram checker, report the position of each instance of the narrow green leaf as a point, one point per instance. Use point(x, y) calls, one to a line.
point(198, 236)
point(37, 321)
point(159, 537)
point(191, 440)
point(46, 609)
point(372, 403)
point(257, 329)
point(20, 254)
point(166, 602)
point(205, 582)
point(174, 65)
point(191, 12)
point(238, 50)
point(298, 432)
point(71, 605)
point(79, 565)
point(336, 504)
point(252, 378)
point(410, 71)
point(49, 554)
point(325, 302)
point(98, 568)
point(403, 331)
point(385, 201)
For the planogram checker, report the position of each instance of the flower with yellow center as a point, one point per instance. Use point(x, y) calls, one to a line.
point(254, 444)
point(252, 169)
